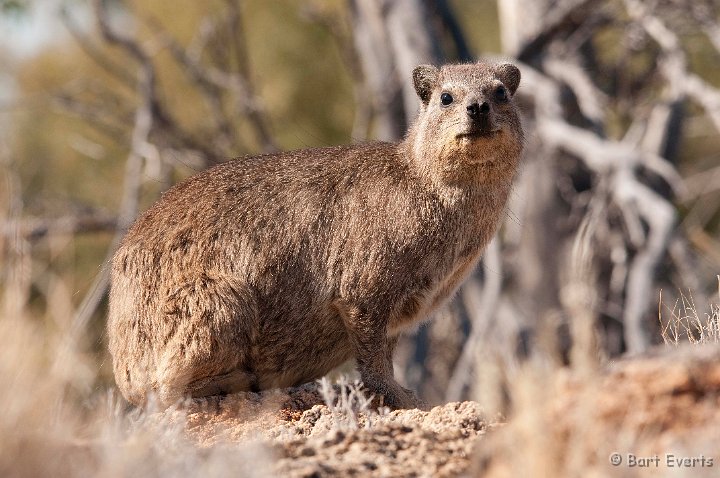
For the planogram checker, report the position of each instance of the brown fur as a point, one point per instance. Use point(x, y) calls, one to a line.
point(271, 270)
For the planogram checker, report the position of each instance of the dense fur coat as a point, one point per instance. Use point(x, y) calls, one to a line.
point(271, 270)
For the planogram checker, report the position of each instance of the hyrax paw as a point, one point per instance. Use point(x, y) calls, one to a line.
point(414, 401)
point(399, 399)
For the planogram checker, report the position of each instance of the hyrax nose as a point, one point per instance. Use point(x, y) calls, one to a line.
point(476, 110)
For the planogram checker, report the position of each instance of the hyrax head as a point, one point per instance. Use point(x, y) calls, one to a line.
point(468, 117)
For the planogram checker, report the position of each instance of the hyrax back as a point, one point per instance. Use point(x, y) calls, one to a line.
point(269, 271)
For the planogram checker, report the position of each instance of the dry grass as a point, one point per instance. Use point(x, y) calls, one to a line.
point(350, 406)
point(562, 421)
point(565, 424)
point(52, 424)
point(566, 421)
point(686, 323)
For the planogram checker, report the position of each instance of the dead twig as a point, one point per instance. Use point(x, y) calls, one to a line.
point(251, 101)
point(35, 228)
point(140, 147)
point(482, 306)
point(94, 53)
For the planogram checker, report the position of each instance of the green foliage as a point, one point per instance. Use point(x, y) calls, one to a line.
point(13, 7)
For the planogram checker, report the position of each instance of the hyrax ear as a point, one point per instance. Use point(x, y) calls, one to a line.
point(425, 78)
point(509, 74)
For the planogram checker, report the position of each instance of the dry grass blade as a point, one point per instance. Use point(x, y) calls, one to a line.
point(685, 322)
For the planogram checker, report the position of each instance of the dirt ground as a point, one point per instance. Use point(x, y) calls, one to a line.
point(648, 410)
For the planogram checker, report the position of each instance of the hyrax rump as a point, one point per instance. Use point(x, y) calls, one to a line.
point(271, 270)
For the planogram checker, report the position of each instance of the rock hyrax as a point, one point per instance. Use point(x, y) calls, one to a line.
point(269, 271)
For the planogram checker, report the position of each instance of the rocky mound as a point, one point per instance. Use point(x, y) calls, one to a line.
point(565, 422)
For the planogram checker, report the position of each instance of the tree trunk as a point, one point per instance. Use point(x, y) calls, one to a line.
point(391, 39)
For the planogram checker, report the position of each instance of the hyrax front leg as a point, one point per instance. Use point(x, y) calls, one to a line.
point(373, 353)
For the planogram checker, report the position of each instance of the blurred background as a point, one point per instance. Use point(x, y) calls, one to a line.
point(611, 235)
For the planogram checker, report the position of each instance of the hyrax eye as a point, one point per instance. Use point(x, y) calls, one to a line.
point(446, 99)
point(501, 93)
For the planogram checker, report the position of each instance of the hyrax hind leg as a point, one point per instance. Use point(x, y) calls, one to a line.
point(373, 353)
point(210, 324)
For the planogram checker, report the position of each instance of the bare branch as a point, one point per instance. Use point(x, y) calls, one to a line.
point(482, 312)
point(252, 102)
point(709, 245)
point(111, 36)
point(705, 95)
point(674, 67)
point(615, 163)
point(94, 53)
point(364, 110)
point(391, 39)
point(700, 184)
point(563, 19)
point(210, 82)
point(660, 216)
point(591, 100)
point(95, 116)
point(15, 258)
point(451, 25)
point(140, 147)
point(36, 228)
point(161, 117)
